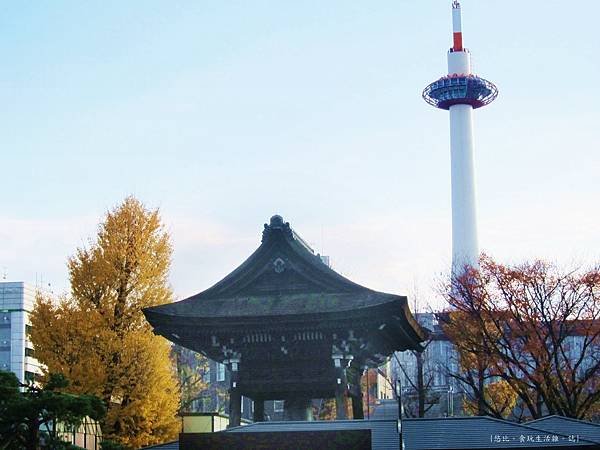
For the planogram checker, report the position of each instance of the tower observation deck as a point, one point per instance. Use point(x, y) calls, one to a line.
point(460, 86)
point(460, 92)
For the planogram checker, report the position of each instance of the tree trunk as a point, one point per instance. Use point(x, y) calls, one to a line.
point(420, 384)
point(33, 438)
point(481, 409)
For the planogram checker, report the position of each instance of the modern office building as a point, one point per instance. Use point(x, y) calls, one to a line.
point(16, 351)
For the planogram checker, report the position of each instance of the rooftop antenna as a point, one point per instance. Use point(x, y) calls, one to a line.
point(322, 240)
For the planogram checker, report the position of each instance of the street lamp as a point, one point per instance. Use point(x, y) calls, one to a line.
point(400, 410)
point(450, 401)
point(398, 391)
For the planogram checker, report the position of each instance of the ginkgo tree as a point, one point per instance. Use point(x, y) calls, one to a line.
point(97, 336)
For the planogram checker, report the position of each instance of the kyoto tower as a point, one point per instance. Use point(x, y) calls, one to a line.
point(461, 92)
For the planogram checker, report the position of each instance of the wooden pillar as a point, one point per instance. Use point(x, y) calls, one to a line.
point(358, 407)
point(354, 378)
point(259, 410)
point(235, 407)
point(340, 404)
point(235, 397)
point(341, 385)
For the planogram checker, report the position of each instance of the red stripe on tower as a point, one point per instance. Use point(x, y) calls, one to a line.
point(458, 45)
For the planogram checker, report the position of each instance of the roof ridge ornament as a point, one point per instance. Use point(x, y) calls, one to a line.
point(279, 265)
point(276, 224)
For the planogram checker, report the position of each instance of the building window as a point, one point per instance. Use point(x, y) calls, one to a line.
point(4, 359)
point(28, 330)
point(29, 352)
point(29, 376)
point(220, 372)
point(202, 404)
point(278, 406)
point(4, 336)
point(206, 374)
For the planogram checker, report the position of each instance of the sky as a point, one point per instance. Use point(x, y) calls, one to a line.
point(223, 113)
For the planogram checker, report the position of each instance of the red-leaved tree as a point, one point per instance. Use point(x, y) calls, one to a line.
point(531, 327)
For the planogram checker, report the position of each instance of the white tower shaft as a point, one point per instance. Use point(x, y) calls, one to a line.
point(465, 247)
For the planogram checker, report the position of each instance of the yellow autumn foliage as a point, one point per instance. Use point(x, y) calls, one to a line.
point(98, 337)
point(499, 395)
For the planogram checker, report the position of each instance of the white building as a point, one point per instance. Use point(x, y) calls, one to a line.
point(16, 351)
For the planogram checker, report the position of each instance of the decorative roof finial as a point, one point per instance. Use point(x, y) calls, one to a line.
point(276, 224)
point(276, 221)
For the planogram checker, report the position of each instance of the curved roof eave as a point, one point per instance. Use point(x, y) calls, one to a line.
point(257, 291)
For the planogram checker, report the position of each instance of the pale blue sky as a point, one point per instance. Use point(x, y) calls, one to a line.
point(223, 113)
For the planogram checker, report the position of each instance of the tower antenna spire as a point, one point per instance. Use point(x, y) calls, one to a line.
point(456, 27)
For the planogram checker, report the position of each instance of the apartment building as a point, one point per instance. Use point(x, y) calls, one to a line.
point(16, 352)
